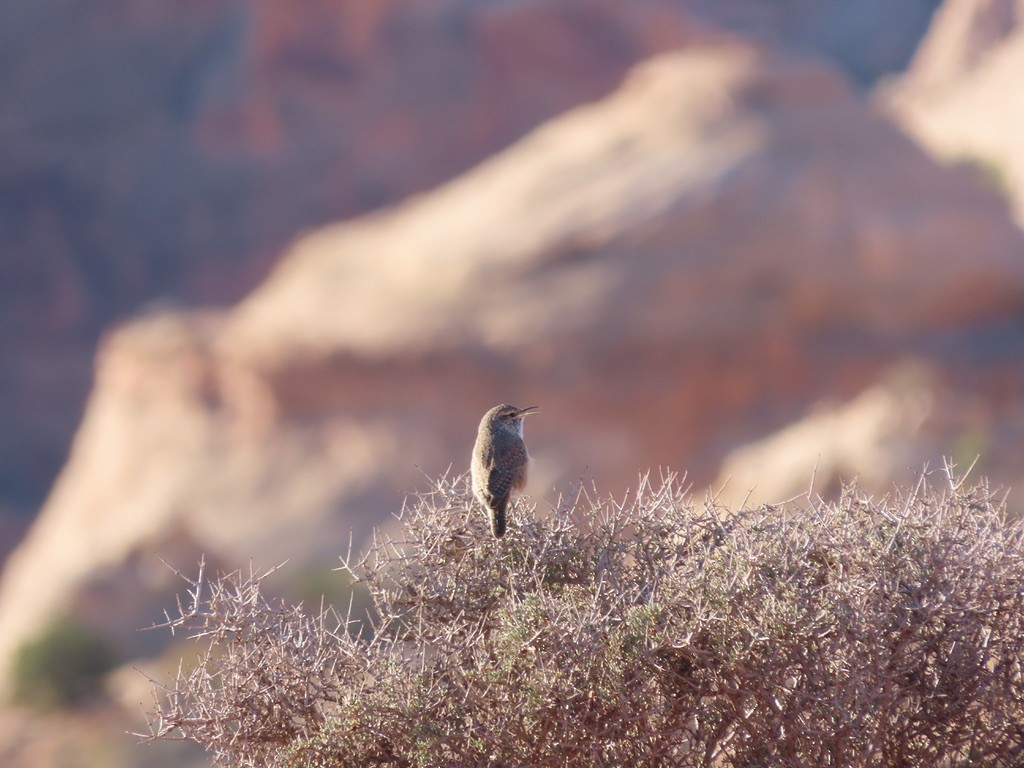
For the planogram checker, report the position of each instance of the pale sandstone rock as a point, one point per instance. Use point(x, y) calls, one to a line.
point(870, 440)
point(963, 96)
point(915, 420)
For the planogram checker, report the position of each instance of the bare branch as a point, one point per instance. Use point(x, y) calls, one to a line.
point(650, 631)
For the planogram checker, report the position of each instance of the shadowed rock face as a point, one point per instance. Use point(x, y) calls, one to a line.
point(866, 39)
point(668, 272)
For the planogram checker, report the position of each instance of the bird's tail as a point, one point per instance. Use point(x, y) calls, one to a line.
point(498, 519)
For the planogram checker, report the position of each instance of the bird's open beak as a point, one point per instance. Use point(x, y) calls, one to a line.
point(528, 410)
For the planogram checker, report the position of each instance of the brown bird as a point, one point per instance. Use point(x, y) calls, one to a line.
point(500, 461)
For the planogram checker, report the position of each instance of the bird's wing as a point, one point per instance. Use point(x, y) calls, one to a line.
point(501, 479)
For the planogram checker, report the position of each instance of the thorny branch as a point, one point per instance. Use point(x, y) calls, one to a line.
point(653, 631)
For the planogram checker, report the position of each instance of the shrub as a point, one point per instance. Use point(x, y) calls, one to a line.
point(321, 587)
point(60, 667)
point(649, 632)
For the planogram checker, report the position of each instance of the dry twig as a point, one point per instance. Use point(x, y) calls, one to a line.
point(648, 632)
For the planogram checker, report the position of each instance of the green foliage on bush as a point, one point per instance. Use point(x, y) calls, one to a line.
point(650, 632)
point(337, 590)
point(990, 173)
point(61, 667)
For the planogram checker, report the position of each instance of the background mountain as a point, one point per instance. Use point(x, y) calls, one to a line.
point(705, 240)
point(165, 154)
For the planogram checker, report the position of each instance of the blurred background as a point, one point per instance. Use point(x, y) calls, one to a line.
point(264, 265)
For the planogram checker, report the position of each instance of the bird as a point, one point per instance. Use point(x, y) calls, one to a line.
point(500, 461)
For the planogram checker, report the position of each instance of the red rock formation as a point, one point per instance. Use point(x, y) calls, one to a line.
point(159, 150)
point(667, 272)
point(155, 150)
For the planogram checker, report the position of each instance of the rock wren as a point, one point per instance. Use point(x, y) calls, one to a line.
point(500, 461)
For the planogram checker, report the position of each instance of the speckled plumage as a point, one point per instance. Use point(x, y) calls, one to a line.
point(500, 461)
